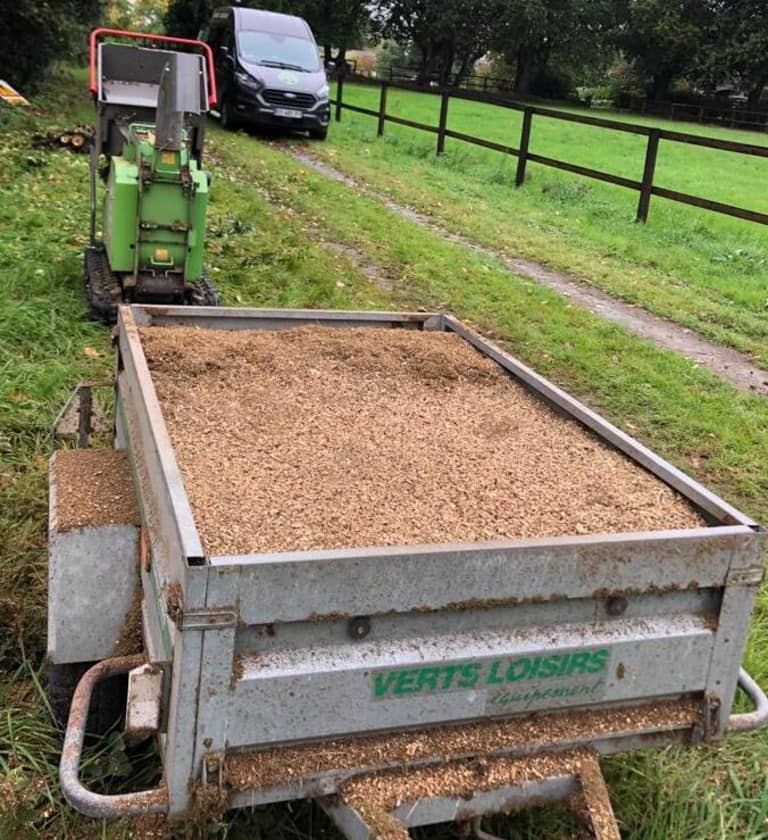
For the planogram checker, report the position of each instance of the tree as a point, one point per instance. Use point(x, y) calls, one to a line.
point(665, 38)
point(138, 15)
point(540, 38)
point(449, 35)
point(391, 56)
point(185, 18)
point(739, 46)
point(34, 34)
point(335, 23)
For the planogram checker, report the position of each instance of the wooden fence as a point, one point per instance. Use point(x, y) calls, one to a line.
point(645, 187)
point(699, 109)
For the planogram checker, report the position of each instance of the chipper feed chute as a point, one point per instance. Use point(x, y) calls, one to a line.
point(151, 106)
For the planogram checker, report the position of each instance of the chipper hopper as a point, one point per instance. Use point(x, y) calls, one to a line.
point(373, 560)
point(151, 107)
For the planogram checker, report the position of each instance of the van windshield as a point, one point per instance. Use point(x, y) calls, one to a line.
point(274, 50)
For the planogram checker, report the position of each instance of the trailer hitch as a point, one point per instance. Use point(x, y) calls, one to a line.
point(153, 801)
point(363, 808)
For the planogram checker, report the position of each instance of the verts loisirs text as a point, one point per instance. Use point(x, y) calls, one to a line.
point(523, 681)
point(268, 71)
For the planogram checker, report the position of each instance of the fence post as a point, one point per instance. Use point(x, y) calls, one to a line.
point(443, 121)
point(382, 109)
point(339, 95)
point(651, 151)
point(525, 139)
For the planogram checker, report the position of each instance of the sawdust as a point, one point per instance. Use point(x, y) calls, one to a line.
point(275, 766)
point(597, 801)
point(316, 438)
point(460, 779)
point(93, 487)
point(131, 639)
point(152, 827)
point(382, 825)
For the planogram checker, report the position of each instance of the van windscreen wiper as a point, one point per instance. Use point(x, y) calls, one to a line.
point(282, 65)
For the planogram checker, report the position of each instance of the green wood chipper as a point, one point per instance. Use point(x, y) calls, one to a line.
point(151, 106)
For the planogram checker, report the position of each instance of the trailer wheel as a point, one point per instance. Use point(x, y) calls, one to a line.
point(107, 702)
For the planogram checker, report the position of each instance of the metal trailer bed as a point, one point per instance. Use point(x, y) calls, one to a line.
point(642, 632)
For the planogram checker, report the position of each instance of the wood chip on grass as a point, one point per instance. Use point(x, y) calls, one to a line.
point(319, 438)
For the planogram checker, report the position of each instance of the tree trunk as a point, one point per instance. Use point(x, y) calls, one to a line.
point(327, 54)
point(446, 68)
point(524, 71)
point(660, 86)
point(756, 94)
point(425, 63)
point(342, 68)
point(465, 68)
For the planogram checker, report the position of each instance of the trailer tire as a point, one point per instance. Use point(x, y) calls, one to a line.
point(107, 701)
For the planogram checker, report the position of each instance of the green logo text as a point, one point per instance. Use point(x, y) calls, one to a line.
point(487, 673)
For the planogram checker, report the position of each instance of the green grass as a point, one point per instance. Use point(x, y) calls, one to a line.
point(261, 255)
point(703, 270)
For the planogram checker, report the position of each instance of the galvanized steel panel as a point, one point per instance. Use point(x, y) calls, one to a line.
point(320, 692)
point(296, 586)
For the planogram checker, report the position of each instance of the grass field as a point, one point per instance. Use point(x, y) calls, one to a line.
point(270, 224)
point(703, 270)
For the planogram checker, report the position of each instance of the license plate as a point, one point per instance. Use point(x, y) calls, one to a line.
point(288, 112)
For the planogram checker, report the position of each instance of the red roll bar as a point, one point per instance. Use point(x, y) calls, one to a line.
point(165, 39)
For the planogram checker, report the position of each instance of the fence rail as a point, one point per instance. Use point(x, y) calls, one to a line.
point(702, 109)
point(646, 187)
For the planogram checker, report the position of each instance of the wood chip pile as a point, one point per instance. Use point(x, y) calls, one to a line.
point(317, 438)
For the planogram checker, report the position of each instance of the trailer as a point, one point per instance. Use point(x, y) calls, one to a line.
point(398, 683)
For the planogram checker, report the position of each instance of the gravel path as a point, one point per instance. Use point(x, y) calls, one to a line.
point(731, 365)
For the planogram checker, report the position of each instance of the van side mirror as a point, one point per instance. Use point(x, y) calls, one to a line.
point(330, 65)
point(224, 50)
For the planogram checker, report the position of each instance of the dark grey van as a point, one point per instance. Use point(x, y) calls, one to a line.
point(268, 71)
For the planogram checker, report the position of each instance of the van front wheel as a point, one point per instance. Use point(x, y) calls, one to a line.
point(318, 133)
point(228, 119)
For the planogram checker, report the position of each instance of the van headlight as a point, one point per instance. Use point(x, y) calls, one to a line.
point(323, 93)
point(247, 80)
